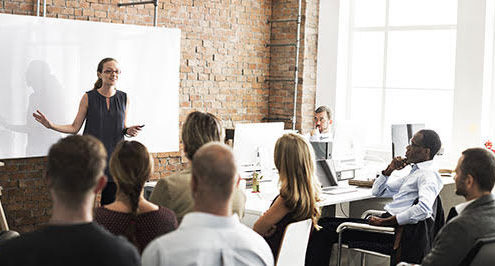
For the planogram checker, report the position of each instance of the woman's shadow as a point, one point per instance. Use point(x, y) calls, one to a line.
point(47, 97)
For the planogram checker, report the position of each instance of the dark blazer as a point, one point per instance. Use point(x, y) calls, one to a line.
point(416, 240)
point(456, 238)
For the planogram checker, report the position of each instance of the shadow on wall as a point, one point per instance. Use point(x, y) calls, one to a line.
point(46, 97)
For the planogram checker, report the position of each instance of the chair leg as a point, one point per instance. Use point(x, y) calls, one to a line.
point(3, 220)
point(339, 249)
point(363, 261)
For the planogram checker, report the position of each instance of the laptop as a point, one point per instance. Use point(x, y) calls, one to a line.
point(325, 171)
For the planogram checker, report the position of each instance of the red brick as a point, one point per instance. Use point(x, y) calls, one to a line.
point(101, 14)
point(223, 65)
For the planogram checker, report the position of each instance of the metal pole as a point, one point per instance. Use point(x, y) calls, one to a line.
point(281, 20)
point(154, 2)
point(339, 249)
point(296, 72)
point(155, 17)
point(136, 3)
point(279, 44)
point(38, 8)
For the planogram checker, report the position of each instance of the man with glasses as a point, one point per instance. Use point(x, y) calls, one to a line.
point(423, 183)
point(322, 122)
point(413, 203)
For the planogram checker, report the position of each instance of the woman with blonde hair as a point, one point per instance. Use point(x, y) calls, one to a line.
point(299, 190)
point(131, 214)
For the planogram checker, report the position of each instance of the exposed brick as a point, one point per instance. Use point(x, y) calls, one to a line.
point(223, 67)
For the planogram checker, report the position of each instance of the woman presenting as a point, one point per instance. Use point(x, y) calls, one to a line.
point(105, 109)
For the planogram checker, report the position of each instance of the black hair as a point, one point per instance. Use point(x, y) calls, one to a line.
point(480, 164)
point(431, 140)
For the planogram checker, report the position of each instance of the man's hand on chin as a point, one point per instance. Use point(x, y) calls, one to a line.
point(390, 221)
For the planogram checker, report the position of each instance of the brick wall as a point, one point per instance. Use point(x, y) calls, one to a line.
point(283, 62)
point(223, 67)
point(308, 65)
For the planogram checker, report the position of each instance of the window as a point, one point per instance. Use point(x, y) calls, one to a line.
point(396, 64)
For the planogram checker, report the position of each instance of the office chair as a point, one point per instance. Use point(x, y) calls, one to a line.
point(402, 241)
point(294, 243)
point(482, 253)
point(362, 227)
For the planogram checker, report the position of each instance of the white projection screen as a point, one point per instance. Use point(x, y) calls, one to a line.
point(48, 64)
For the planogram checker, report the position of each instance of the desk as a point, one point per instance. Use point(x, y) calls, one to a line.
point(258, 203)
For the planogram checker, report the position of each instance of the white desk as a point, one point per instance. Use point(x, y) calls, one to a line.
point(258, 203)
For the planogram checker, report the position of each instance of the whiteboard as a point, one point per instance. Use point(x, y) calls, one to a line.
point(48, 64)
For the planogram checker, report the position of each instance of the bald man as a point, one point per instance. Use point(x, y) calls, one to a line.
point(210, 235)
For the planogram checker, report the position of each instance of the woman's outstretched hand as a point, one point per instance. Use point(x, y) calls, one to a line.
point(41, 118)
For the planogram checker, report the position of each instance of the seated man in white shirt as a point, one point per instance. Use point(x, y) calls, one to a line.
point(474, 179)
point(322, 123)
point(210, 235)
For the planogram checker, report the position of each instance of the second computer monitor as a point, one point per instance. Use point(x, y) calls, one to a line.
point(254, 144)
point(401, 134)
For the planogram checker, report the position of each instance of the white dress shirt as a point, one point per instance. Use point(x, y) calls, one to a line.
point(461, 206)
point(422, 183)
point(207, 239)
point(317, 136)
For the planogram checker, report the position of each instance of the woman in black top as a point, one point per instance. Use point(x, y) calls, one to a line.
point(131, 215)
point(105, 109)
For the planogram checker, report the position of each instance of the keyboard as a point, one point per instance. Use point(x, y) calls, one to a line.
point(335, 190)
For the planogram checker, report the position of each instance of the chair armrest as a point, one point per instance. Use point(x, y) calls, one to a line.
point(372, 212)
point(407, 264)
point(365, 227)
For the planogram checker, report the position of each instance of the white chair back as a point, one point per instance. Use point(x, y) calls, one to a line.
point(294, 243)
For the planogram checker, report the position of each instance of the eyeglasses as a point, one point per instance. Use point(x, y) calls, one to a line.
point(412, 144)
point(108, 71)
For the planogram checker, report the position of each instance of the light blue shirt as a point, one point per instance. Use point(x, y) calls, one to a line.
point(422, 183)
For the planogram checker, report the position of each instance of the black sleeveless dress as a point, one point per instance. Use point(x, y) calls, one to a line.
point(275, 239)
point(106, 124)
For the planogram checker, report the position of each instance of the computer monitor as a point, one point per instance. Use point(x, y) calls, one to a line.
point(348, 142)
point(323, 150)
point(254, 144)
point(401, 134)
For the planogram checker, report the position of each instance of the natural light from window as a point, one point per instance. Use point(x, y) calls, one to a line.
point(399, 67)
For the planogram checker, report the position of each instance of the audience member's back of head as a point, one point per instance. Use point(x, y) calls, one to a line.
point(74, 165)
point(131, 166)
point(199, 129)
point(214, 171)
point(480, 164)
point(299, 187)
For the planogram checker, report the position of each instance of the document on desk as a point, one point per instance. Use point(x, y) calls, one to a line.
point(338, 190)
